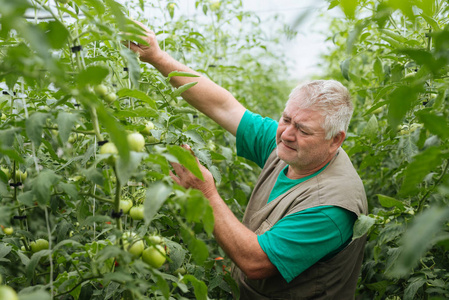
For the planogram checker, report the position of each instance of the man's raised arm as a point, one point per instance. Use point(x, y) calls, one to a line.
point(208, 97)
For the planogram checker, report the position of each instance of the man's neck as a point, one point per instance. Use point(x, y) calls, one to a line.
point(294, 173)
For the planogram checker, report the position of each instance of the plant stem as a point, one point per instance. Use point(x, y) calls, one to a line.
point(118, 189)
point(424, 198)
point(95, 124)
point(98, 198)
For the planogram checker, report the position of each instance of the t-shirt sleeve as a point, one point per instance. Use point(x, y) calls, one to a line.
point(256, 137)
point(299, 240)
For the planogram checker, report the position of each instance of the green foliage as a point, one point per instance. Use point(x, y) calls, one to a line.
point(68, 84)
point(391, 56)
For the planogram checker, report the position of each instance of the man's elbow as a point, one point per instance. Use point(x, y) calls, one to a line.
point(260, 271)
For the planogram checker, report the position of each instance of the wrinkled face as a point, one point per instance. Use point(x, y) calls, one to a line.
point(301, 140)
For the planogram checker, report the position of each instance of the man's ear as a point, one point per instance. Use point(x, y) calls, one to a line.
point(337, 141)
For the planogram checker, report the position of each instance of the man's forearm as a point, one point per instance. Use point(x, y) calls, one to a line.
point(238, 242)
point(208, 97)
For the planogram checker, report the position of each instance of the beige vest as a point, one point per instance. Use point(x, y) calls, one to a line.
point(339, 185)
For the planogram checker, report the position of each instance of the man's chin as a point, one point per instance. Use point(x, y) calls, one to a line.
point(282, 156)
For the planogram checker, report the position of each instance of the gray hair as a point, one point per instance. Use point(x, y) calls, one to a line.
point(331, 99)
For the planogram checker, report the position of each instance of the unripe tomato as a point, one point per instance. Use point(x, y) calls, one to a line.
point(111, 97)
point(38, 245)
point(155, 239)
point(125, 205)
point(136, 248)
point(108, 148)
point(136, 141)
point(101, 90)
point(8, 230)
point(180, 271)
point(21, 176)
point(7, 172)
point(154, 256)
point(136, 212)
point(8, 293)
point(148, 127)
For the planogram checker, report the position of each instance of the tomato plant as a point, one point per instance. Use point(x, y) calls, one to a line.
point(86, 128)
point(391, 55)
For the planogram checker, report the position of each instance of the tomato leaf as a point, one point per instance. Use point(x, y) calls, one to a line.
point(182, 89)
point(362, 226)
point(92, 75)
point(344, 66)
point(422, 164)
point(34, 125)
point(388, 202)
point(133, 65)
point(349, 7)
point(65, 123)
point(116, 132)
point(181, 74)
point(199, 287)
point(57, 34)
point(34, 295)
point(125, 169)
point(35, 258)
point(401, 100)
point(156, 195)
point(436, 124)
point(138, 95)
point(42, 185)
point(419, 237)
point(142, 112)
point(185, 158)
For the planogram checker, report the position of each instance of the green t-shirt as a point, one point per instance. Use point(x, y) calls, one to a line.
point(299, 240)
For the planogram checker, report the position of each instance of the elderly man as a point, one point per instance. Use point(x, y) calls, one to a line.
point(295, 241)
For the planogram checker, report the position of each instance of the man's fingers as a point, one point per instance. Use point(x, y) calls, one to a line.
point(133, 46)
point(175, 178)
point(179, 169)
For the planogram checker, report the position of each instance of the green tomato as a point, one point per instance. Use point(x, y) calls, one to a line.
point(8, 230)
point(136, 212)
point(136, 248)
point(126, 205)
point(111, 97)
point(21, 176)
point(148, 127)
point(7, 172)
point(38, 245)
point(101, 90)
point(180, 271)
point(154, 256)
point(8, 293)
point(155, 239)
point(108, 148)
point(136, 141)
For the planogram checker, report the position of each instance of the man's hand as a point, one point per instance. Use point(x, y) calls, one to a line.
point(147, 53)
point(187, 180)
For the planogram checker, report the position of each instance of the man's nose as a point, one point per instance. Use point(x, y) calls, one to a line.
point(289, 133)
